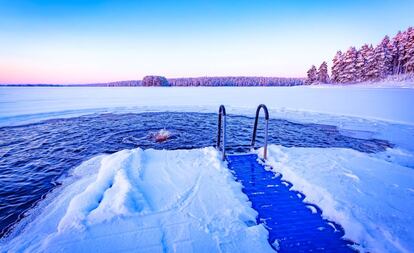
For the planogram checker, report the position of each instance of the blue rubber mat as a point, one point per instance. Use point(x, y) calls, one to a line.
point(296, 226)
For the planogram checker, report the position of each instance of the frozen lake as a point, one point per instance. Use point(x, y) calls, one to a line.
point(20, 104)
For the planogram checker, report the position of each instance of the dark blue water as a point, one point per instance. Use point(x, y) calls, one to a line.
point(33, 158)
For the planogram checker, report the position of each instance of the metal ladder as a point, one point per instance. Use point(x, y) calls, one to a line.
point(222, 130)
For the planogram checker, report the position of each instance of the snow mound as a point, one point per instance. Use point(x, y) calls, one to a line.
point(113, 193)
point(147, 201)
point(370, 197)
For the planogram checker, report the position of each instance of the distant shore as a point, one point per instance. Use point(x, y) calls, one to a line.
point(404, 80)
point(228, 81)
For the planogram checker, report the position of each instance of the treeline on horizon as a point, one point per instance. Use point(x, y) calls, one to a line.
point(390, 57)
point(235, 81)
point(161, 81)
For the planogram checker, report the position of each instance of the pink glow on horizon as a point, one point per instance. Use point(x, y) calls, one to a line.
point(41, 72)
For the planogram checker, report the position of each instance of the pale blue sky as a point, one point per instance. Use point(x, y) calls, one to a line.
point(97, 41)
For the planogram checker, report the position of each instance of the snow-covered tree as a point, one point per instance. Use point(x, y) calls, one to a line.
point(370, 69)
point(389, 57)
point(323, 76)
point(154, 81)
point(337, 66)
point(397, 45)
point(383, 59)
point(408, 57)
point(312, 75)
point(349, 71)
point(360, 64)
point(235, 81)
point(404, 51)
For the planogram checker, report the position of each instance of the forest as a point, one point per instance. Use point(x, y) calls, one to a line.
point(390, 57)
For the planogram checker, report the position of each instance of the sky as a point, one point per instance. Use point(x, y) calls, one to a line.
point(74, 42)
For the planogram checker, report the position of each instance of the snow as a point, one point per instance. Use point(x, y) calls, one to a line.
point(370, 197)
point(151, 200)
point(391, 81)
point(23, 105)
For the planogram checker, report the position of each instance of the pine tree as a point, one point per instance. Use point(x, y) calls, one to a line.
point(360, 63)
point(349, 71)
point(383, 59)
point(370, 70)
point(404, 51)
point(323, 76)
point(409, 54)
point(312, 75)
point(396, 53)
point(337, 66)
point(389, 57)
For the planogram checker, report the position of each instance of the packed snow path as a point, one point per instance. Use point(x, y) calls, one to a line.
point(294, 226)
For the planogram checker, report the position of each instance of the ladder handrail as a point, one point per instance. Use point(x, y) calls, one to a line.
point(266, 128)
point(222, 114)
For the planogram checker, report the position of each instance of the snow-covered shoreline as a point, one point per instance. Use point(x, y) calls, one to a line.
point(188, 201)
point(152, 200)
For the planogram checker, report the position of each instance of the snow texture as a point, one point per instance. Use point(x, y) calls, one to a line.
point(146, 201)
point(370, 197)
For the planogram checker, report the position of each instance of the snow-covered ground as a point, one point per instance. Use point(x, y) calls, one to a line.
point(187, 201)
point(371, 198)
point(151, 201)
point(393, 81)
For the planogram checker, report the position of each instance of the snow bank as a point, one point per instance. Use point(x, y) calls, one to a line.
point(392, 81)
point(371, 198)
point(401, 80)
point(146, 201)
